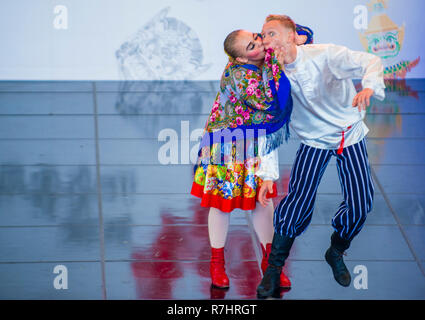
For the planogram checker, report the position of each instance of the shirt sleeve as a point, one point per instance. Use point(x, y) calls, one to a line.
point(345, 63)
point(269, 163)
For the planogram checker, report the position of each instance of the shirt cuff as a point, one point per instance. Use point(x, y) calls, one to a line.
point(378, 91)
point(269, 164)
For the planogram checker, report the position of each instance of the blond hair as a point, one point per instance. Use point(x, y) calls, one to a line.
point(284, 20)
point(229, 46)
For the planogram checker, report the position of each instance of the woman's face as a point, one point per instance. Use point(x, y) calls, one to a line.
point(250, 46)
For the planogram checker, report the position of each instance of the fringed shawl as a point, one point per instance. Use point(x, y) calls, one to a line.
point(252, 102)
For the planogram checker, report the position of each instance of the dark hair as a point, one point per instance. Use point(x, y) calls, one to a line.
point(284, 20)
point(229, 44)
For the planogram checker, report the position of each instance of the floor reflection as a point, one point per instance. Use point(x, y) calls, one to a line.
point(49, 211)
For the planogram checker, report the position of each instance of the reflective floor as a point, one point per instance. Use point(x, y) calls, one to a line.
point(85, 183)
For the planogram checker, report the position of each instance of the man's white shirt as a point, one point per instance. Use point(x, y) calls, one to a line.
point(323, 91)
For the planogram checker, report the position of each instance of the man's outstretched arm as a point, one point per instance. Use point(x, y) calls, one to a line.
point(349, 64)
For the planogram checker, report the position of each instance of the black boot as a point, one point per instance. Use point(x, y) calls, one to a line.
point(334, 258)
point(270, 284)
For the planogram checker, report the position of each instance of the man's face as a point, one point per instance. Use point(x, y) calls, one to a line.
point(276, 35)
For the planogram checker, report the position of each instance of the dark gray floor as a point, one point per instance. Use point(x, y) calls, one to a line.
point(81, 185)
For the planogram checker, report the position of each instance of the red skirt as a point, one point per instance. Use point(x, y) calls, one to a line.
point(227, 205)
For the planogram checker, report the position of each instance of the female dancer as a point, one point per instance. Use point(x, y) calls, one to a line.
point(248, 121)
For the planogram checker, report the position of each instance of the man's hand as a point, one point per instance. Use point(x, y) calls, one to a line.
point(267, 186)
point(280, 54)
point(362, 99)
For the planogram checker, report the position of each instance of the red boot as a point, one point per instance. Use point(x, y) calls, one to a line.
point(218, 273)
point(284, 280)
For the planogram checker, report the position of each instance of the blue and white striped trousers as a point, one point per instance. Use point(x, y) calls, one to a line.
point(294, 212)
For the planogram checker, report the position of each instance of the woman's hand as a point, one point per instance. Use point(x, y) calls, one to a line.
point(300, 39)
point(267, 186)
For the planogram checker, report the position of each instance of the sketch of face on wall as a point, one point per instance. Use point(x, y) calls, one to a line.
point(163, 49)
point(168, 54)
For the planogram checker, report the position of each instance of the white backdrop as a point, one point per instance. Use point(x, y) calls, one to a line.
point(181, 39)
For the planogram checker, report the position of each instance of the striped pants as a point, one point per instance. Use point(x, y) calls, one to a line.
point(294, 212)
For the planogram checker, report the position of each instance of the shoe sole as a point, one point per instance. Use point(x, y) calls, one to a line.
point(284, 287)
point(275, 295)
point(219, 287)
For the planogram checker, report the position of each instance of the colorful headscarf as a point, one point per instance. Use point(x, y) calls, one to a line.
point(252, 102)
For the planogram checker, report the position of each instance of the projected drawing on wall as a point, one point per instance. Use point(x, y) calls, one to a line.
point(165, 48)
point(385, 39)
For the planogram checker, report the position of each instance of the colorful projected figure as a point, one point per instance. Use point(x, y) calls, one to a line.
point(385, 39)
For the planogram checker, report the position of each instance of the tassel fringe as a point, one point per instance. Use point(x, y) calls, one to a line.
point(275, 139)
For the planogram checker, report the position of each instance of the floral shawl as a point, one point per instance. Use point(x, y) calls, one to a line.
point(251, 103)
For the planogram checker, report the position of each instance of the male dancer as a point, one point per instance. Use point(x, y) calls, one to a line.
point(326, 120)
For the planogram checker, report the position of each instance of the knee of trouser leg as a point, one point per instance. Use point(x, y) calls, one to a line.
point(363, 206)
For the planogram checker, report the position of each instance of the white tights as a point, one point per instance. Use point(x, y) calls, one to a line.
point(262, 219)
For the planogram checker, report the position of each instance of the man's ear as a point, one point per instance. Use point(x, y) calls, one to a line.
point(292, 37)
point(241, 60)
